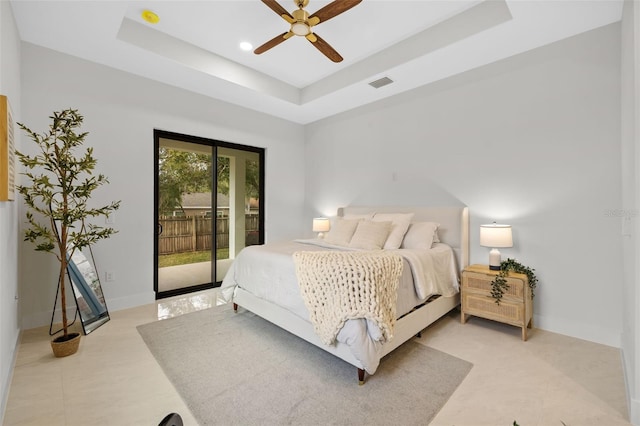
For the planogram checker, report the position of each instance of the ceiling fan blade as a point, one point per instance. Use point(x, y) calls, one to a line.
point(275, 6)
point(325, 48)
point(273, 42)
point(334, 8)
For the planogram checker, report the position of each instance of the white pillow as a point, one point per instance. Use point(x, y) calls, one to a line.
point(421, 235)
point(370, 235)
point(341, 232)
point(400, 224)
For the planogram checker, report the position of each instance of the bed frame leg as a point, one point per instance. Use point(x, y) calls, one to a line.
point(360, 376)
point(235, 308)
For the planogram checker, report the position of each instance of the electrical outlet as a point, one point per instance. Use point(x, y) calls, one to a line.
point(108, 276)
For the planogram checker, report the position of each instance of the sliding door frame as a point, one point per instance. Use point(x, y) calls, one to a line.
point(214, 144)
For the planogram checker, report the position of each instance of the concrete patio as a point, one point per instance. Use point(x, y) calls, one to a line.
point(181, 276)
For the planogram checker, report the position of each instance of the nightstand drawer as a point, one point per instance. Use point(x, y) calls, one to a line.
point(483, 306)
point(482, 282)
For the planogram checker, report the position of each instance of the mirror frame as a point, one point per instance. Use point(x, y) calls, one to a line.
point(87, 290)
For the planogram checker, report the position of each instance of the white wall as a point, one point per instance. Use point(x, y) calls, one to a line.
point(630, 136)
point(533, 141)
point(9, 324)
point(121, 111)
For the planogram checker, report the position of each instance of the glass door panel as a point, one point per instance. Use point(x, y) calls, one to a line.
point(186, 217)
point(239, 211)
point(252, 219)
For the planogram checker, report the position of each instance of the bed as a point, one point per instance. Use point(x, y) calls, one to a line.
point(263, 280)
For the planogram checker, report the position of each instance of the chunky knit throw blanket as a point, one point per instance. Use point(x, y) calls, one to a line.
point(338, 286)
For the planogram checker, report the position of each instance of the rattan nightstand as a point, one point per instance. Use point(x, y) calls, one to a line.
point(515, 308)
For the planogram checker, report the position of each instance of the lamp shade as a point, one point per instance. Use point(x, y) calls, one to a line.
point(321, 224)
point(496, 235)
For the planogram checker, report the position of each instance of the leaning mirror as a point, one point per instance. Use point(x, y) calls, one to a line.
point(88, 292)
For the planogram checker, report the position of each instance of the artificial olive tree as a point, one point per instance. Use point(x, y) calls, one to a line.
point(58, 194)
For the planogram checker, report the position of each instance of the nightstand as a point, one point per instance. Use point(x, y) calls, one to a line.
point(515, 308)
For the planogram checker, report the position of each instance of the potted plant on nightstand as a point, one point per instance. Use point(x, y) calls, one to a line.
point(499, 284)
point(57, 211)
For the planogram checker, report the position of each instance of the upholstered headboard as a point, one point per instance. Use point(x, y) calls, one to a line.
point(453, 230)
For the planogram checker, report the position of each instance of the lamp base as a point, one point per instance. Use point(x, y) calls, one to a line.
point(494, 259)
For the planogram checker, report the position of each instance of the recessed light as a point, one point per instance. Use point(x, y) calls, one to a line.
point(150, 17)
point(246, 46)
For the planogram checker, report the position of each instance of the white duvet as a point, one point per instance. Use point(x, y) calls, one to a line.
point(268, 272)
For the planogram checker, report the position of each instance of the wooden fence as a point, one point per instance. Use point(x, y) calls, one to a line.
point(185, 234)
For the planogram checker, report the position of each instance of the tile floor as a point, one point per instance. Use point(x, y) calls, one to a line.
point(114, 380)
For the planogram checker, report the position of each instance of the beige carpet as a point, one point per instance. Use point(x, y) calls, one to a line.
point(240, 369)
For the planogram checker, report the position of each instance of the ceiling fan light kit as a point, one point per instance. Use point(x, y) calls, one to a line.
point(301, 24)
point(300, 29)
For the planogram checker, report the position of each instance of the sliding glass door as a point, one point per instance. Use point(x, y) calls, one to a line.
point(208, 207)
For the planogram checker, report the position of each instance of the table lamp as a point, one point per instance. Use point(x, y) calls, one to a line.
point(321, 225)
point(495, 236)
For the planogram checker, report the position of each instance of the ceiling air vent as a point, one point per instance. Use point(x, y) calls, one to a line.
point(380, 82)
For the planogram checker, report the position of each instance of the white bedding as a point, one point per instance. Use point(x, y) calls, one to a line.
point(268, 272)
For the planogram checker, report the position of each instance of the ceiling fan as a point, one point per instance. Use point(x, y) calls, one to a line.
point(302, 23)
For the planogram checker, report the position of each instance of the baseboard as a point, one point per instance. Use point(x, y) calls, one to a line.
point(634, 412)
point(633, 404)
point(131, 301)
point(40, 319)
point(6, 385)
point(591, 333)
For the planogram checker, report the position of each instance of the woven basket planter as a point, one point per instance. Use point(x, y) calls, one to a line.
point(62, 348)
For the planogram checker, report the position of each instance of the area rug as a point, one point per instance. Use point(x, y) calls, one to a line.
point(240, 369)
